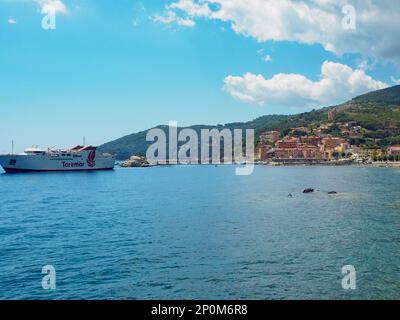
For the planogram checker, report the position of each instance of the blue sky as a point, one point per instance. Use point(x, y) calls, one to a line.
point(111, 68)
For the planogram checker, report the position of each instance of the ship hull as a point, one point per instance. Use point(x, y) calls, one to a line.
point(14, 171)
point(46, 163)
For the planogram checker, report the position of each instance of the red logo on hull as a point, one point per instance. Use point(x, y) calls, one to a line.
point(91, 159)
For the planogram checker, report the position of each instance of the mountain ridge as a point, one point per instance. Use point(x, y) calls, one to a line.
point(377, 112)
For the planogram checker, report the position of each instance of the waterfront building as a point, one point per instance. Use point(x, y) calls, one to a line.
point(369, 153)
point(342, 148)
point(301, 152)
point(393, 150)
point(311, 140)
point(288, 153)
point(288, 143)
point(262, 152)
point(332, 142)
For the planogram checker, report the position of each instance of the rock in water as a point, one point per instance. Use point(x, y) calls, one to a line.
point(136, 162)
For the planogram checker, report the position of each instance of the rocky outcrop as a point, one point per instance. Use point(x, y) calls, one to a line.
point(136, 162)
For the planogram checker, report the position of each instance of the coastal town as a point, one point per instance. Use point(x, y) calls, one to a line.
point(306, 145)
point(330, 142)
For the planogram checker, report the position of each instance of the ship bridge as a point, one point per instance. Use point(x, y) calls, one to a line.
point(34, 151)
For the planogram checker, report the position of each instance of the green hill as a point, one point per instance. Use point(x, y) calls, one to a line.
point(387, 96)
point(377, 112)
point(136, 143)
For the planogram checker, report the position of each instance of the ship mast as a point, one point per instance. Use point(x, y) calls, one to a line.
point(12, 146)
point(84, 141)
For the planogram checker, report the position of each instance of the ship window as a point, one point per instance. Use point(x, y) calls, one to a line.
point(13, 162)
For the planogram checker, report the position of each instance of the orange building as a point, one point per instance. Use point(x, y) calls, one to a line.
point(288, 153)
point(394, 151)
point(269, 136)
point(290, 143)
point(262, 152)
point(303, 152)
point(315, 141)
point(332, 115)
point(332, 142)
point(310, 152)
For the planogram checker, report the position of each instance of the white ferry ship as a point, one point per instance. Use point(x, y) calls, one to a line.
point(78, 158)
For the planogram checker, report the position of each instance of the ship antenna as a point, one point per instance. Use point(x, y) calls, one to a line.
point(84, 141)
point(12, 146)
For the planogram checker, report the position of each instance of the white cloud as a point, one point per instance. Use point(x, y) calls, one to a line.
point(171, 17)
point(304, 21)
point(364, 65)
point(338, 83)
point(394, 80)
point(57, 5)
point(139, 12)
point(11, 21)
point(193, 9)
point(265, 57)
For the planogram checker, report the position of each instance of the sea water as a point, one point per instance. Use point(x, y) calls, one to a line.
point(201, 232)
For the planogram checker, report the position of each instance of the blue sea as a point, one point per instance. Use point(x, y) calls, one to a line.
point(201, 232)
